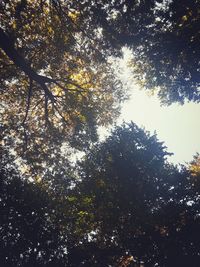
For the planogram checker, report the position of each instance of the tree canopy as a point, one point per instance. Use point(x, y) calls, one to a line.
point(134, 206)
point(29, 234)
point(122, 204)
point(53, 91)
point(56, 79)
point(164, 38)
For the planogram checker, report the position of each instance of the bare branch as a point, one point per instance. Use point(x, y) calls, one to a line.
point(66, 89)
point(38, 103)
point(28, 101)
point(63, 118)
point(25, 140)
point(47, 122)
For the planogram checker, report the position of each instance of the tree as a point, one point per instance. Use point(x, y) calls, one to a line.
point(131, 204)
point(194, 166)
point(178, 222)
point(164, 37)
point(30, 234)
point(168, 56)
point(53, 91)
point(124, 182)
point(55, 72)
point(122, 204)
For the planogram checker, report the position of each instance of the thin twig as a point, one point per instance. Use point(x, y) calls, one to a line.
point(66, 89)
point(28, 101)
point(38, 103)
point(25, 140)
point(47, 122)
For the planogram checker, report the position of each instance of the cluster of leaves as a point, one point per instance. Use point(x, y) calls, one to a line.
point(56, 81)
point(123, 176)
point(164, 37)
point(128, 205)
point(139, 205)
point(29, 234)
point(169, 55)
point(124, 202)
point(52, 88)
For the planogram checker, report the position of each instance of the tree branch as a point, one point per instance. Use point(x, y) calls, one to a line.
point(28, 101)
point(8, 47)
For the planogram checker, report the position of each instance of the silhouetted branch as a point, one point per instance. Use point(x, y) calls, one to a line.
point(8, 47)
point(28, 101)
point(46, 111)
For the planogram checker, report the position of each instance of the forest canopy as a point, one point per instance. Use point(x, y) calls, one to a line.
point(57, 82)
point(128, 206)
point(122, 203)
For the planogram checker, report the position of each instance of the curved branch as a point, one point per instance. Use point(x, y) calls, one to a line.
point(8, 47)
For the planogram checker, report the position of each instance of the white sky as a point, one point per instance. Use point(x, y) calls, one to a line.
point(177, 125)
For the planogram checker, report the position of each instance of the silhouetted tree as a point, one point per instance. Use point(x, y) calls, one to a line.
point(29, 232)
point(53, 90)
point(132, 202)
point(57, 82)
point(164, 37)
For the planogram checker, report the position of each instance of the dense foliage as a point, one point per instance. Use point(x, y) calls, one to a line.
point(53, 88)
point(141, 205)
point(123, 204)
point(29, 234)
point(126, 205)
point(57, 83)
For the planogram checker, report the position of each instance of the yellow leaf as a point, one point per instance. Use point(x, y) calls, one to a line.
point(74, 15)
point(184, 18)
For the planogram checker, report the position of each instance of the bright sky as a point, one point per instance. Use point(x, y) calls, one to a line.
point(177, 125)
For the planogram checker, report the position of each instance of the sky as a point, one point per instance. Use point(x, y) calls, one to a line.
point(177, 125)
